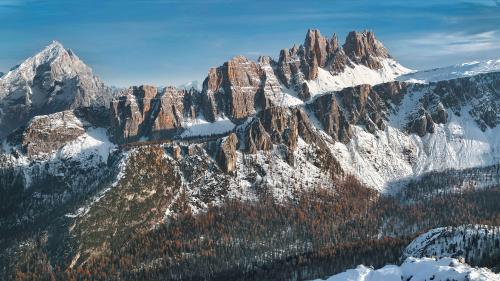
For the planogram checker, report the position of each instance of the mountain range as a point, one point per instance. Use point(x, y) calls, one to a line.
point(87, 171)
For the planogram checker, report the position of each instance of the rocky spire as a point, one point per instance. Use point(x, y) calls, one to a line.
point(364, 48)
point(316, 47)
point(337, 59)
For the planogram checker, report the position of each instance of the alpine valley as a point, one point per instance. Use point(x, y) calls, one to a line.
point(298, 167)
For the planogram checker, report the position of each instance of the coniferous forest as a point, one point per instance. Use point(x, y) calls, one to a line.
point(319, 233)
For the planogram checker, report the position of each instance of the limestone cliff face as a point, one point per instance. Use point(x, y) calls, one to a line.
point(482, 91)
point(232, 88)
point(130, 113)
point(146, 112)
point(301, 63)
point(278, 126)
point(171, 110)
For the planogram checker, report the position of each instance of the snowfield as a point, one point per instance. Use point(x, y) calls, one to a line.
point(356, 75)
point(418, 269)
point(452, 72)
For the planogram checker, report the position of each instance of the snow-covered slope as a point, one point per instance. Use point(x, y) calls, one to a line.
point(419, 269)
point(473, 242)
point(63, 65)
point(386, 158)
point(452, 72)
point(356, 74)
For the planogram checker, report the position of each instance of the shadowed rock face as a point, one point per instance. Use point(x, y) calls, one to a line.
point(454, 94)
point(47, 133)
point(278, 125)
point(282, 127)
point(480, 94)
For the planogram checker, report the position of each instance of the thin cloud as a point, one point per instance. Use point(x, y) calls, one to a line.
point(457, 43)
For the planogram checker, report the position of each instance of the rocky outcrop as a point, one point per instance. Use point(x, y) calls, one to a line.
point(226, 153)
point(171, 109)
point(293, 70)
point(47, 133)
point(481, 94)
point(176, 152)
point(422, 125)
point(257, 138)
point(483, 89)
point(301, 63)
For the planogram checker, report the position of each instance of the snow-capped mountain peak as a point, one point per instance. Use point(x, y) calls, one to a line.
point(69, 65)
point(54, 79)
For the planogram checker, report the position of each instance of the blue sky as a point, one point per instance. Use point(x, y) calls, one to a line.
point(169, 42)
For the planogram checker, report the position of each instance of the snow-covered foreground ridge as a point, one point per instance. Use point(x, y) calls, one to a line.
point(419, 269)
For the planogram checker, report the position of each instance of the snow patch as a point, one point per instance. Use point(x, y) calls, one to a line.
point(93, 142)
point(201, 127)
